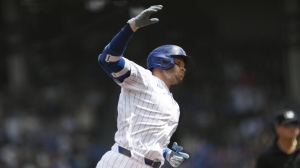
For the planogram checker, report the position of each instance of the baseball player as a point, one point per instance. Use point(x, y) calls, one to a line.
point(147, 113)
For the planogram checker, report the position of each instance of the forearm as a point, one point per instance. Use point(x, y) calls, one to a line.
point(114, 50)
point(118, 44)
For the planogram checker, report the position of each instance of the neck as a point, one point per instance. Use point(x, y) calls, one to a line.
point(158, 73)
point(287, 145)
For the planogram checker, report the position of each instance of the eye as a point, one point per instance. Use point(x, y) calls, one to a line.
point(178, 64)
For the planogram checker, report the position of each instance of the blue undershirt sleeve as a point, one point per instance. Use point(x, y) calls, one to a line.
point(119, 43)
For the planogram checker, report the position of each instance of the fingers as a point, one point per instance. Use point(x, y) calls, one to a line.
point(176, 147)
point(153, 9)
point(154, 19)
point(175, 161)
point(156, 7)
point(178, 150)
point(184, 155)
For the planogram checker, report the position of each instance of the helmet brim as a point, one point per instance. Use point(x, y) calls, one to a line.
point(188, 60)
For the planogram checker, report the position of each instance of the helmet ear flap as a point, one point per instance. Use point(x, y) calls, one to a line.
point(160, 62)
point(165, 62)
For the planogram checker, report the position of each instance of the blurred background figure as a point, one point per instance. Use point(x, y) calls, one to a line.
point(285, 150)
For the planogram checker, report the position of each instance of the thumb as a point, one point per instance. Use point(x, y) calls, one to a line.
point(154, 20)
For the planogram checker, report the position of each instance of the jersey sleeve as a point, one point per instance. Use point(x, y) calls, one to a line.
point(138, 79)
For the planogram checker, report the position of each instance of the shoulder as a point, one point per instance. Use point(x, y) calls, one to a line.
point(139, 77)
point(137, 69)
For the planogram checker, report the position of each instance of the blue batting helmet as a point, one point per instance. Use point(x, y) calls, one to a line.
point(162, 57)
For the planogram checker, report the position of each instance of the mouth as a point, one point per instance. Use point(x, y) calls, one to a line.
point(182, 75)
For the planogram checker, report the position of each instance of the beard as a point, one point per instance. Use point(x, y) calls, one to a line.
point(173, 77)
point(177, 79)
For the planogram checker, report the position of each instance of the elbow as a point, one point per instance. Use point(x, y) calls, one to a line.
point(102, 55)
point(100, 59)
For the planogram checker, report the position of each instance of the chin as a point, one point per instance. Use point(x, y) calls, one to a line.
point(179, 81)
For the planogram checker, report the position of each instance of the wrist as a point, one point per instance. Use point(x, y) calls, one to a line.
point(131, 22)
point(167, 153)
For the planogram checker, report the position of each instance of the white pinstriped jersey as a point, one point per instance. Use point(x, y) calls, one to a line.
point(147, 114)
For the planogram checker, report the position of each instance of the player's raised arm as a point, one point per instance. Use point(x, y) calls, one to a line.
point(111, 57)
